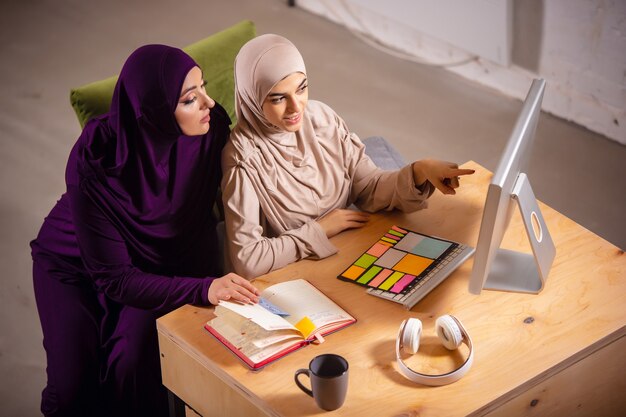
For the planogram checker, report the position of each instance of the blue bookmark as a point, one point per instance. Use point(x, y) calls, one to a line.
point(271, 307)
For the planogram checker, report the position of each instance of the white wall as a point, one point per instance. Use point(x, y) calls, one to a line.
point(578, 46)
point(457, 22)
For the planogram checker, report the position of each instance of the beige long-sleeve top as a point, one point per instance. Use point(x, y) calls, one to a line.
point(274, 191)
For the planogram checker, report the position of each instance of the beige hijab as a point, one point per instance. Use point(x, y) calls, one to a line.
point(297, 176)
point(276, 184)
point(260, 64)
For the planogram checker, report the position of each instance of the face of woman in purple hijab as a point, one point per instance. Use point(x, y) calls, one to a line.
point(193, 111)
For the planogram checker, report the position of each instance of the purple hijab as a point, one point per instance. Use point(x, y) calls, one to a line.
point(132, 238)
point(153, 183)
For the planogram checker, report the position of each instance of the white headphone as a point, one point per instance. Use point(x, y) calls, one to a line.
point(451, 333)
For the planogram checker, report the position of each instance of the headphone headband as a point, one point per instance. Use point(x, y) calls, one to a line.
point(441, 379)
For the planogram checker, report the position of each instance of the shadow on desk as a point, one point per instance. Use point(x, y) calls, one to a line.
point(307, 404)
point(431, 358)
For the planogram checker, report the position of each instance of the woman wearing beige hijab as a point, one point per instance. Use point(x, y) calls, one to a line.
point(292, 167)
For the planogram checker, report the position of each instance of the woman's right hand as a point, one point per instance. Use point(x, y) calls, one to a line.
point(233, 287)
point(339, 220)
point(443, 175)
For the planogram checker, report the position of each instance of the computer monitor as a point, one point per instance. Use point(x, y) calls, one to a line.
point(500, 269)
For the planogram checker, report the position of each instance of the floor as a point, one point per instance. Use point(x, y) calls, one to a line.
point(48, 47)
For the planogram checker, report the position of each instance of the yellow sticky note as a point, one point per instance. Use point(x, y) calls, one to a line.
point(305, 326)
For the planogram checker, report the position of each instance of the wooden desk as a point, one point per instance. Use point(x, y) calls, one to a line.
point(562, 352)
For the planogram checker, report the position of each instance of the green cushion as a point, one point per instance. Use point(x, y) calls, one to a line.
point(215, 55)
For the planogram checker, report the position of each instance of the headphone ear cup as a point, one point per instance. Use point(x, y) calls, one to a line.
point(449, 332)
point(411, 335)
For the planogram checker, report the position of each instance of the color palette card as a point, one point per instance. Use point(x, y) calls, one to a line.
point(398, 260)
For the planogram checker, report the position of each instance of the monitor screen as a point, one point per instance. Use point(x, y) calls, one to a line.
point(500, 269)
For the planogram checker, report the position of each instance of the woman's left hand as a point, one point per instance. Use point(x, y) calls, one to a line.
point(233, 287)
point(443, 175)
point(339, 220)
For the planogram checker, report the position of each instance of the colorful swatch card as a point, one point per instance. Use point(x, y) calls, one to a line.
point(398, 260)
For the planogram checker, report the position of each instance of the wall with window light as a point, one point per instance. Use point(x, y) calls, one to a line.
point(577, 46)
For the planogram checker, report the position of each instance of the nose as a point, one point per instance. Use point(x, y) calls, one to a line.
point(293, 105)
point(206, 100)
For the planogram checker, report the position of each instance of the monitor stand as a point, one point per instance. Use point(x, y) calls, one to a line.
point(523, 272)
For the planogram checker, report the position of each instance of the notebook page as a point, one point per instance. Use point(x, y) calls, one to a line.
point(258, 315)
point(301, 299)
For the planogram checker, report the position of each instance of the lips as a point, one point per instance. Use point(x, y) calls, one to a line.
point(293, 120)
point(206, 118)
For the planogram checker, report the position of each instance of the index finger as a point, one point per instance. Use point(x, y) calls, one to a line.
point(462, 171)
point(358, 215)
point(247, 285)
point(246, 296)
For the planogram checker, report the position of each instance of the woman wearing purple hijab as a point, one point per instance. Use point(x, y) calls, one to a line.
point(132, 238)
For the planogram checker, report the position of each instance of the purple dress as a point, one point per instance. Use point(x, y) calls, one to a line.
point(132, 238)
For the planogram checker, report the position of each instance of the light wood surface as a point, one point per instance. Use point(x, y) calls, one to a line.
point(533, 353)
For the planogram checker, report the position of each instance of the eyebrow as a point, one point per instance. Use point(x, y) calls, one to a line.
point(193, 87)
point(187, 90)
point(283, 94)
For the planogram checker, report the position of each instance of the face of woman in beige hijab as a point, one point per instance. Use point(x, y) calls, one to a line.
point(270, 87)
point(285, 104)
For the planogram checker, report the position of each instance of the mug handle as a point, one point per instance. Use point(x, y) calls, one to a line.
point(299, 384)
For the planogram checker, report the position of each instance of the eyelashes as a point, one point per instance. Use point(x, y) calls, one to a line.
point(278, 100)
point(194, 98)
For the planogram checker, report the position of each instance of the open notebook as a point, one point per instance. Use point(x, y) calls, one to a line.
point(290, 315)
point(403, 266)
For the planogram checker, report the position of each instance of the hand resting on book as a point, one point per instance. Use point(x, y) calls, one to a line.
point(233, 287)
